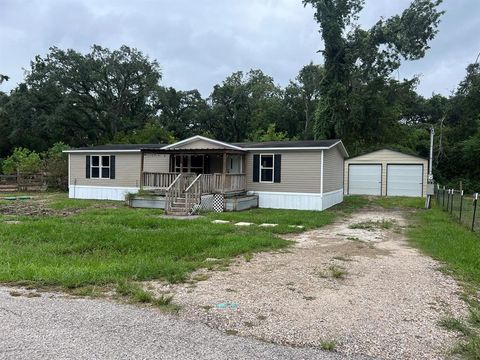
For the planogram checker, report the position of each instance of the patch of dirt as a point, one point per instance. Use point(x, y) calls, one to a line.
point(365, 289)
point(32, 207)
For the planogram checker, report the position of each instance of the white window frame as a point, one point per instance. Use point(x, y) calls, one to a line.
point(101, 167)
point(260, 168)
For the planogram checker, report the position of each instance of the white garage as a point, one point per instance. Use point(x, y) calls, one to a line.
point(404, 180)
point(386, 173)
point(365, 179)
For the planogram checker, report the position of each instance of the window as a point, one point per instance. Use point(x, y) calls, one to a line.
point(266, 168)
point(189, 163)
point(100, 167)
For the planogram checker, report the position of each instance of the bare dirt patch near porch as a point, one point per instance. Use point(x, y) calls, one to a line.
point(356, 283)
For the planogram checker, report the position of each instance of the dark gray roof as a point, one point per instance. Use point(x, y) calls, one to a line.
point(287, 144)
point(244, 145)
point(121, 147)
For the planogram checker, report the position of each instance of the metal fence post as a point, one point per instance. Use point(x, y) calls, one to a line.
point(443, 201)
point(475, 200)
point(461, 206)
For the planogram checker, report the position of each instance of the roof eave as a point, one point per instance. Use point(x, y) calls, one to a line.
point(199, 137)
point(102, 151)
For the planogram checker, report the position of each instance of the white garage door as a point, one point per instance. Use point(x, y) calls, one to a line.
point(365, 179)
point(404, 180)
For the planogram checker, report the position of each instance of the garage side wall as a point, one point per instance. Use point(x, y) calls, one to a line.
point(386, 157)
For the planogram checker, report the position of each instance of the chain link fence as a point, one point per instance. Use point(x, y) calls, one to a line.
point(462, 206)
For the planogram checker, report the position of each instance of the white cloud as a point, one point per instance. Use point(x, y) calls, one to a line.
point(199, 43)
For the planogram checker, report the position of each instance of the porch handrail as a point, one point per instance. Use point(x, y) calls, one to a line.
point(193, 193)
point(172, 192)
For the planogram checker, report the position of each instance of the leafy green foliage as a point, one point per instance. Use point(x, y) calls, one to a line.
point(56, 166)
point(22, 161)
point(358, 95)
point(269, 135)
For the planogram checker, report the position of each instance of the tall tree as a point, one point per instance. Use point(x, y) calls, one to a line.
point(101, 93)
point(358, 62)
point(307, 87)
point(242, 104)
point(183, 113)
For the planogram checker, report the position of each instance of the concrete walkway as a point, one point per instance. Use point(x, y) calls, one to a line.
point(57, 327)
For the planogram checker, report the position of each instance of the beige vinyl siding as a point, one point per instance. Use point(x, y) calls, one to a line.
point(200, 144)
point(156, 162)
point(387, 157)
point(127, 170)
point(332, 170)
point(300, 172)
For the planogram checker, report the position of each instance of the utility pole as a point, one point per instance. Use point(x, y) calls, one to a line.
point(430, 181)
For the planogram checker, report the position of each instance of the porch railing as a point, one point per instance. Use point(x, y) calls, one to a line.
point(158, 180)
point(208, 183)
point(230, 182)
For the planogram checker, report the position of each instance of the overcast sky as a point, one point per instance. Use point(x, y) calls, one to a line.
point(198, 43)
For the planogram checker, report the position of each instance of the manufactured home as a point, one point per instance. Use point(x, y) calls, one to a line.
point(198, 172)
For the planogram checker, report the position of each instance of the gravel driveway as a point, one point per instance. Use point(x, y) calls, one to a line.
point(356, 283)
point(57, 327)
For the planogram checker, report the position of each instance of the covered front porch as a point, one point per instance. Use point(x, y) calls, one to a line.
point(218, 172)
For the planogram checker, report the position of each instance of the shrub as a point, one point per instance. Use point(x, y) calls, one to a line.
point(22, 160)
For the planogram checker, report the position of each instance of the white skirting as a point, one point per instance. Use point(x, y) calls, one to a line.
point(298, 201)
point(99, 192)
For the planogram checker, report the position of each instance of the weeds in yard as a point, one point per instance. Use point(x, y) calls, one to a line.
point(353, 238)
point(373, 225)
point(328, 345)
point(454, 324)
point(136, 294)
point(333, 271)
point(337, 272)
point(341, 258)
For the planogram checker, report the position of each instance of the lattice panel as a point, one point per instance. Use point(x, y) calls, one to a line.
point(207, 202)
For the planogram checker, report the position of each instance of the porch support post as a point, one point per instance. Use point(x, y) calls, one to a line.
point(224, 171)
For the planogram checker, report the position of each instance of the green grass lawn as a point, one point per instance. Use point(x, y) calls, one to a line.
point(443, 238)
point(83, 242)
point(439, 235)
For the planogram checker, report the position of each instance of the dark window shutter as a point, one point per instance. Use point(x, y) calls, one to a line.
point(87, 167)
point(112, 167)
point(256, 167)
point(277, 175)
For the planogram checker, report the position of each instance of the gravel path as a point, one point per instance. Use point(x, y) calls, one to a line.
point(363, 288)
point(57, 327)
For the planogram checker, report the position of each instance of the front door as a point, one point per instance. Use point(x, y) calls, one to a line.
point(234, 164)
